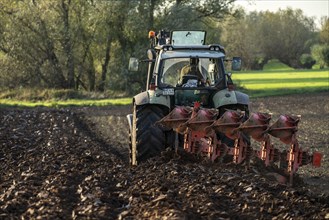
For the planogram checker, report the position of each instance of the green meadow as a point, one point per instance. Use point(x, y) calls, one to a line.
point(64, 103)
point(59, 98)
point(282, 82)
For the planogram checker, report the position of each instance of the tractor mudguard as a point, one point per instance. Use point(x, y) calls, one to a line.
point(149, 97)
point(152, 97)
point(226, 97)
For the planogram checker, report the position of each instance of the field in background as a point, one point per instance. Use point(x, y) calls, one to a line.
point(282, 81)
point(276, 79)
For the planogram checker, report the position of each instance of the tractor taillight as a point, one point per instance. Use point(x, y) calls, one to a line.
point(230, 87)
point(152, 86)
point(317, 159)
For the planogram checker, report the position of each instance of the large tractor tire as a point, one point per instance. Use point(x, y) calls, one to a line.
point(147, 138)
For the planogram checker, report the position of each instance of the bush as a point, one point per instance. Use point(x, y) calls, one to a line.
point(321, 54)
point(307, 61)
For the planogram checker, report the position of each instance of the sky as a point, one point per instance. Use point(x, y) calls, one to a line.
point(311, 8)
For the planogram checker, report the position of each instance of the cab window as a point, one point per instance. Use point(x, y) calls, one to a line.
point(210, 69)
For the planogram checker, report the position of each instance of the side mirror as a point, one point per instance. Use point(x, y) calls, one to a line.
point(236, 64)
point(133, 64)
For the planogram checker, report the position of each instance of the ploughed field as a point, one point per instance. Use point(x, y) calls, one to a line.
point(73, 163)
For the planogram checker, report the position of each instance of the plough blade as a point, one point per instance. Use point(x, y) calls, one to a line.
point(228, 123)
point(285, 128)
point(256, 125)
point(202, 119)
point(177, 118)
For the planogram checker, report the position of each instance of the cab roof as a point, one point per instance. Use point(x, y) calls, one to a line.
point(201, 51)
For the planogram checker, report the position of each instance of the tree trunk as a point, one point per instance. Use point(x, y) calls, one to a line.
point(101, 86)
point(151, 14)
point(91, 73)
point(58, 80)
point(68, 45)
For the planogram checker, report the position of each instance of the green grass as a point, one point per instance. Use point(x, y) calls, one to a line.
point(64, 103)
point(55, 94)
point(282, 82)
point(275, 65)
point(59, 98)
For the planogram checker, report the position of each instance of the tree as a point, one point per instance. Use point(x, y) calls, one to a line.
point(241, 38)
point(320, 51)
point(29, 41)
point(278, 38)
point(321, 54)
point(86, 44)
point(192, 14)
point(307, 61)
point(260, 36)
point(51, 39)
point(324, 33)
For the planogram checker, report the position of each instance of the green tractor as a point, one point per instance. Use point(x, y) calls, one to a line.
point(182, 71)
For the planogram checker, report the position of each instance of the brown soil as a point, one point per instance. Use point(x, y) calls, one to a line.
point(73, 163)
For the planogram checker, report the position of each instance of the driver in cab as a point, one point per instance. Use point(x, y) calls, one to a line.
point(190, 75)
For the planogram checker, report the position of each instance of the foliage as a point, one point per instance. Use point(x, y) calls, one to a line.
point(324, 33)
point(307, 61)
point(320, 51)
point(84, 44)
point(321, 54)
point(239, 36)
point(260, 36)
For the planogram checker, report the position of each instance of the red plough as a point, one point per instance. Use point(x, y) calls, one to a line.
point(205, 134)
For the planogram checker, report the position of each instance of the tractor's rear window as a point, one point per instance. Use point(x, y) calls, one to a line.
point(172, 70)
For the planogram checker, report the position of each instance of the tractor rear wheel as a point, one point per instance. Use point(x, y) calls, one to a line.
point(147, 138)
